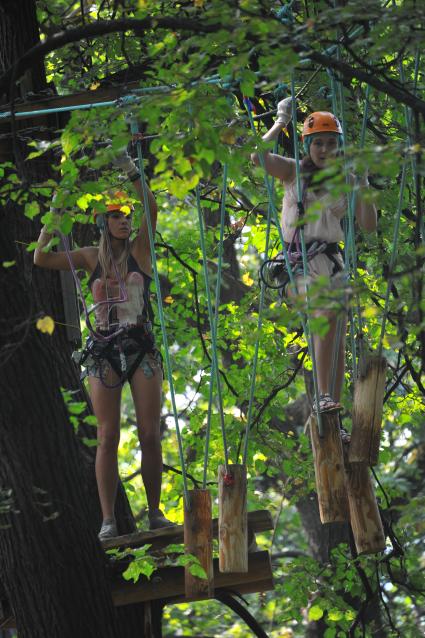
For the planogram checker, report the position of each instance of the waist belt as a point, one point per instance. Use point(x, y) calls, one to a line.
point(144, 340)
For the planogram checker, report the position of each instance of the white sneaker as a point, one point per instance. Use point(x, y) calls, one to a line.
point(108, 529)
point(158, 520)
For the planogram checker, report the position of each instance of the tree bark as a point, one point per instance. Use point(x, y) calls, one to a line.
point(53, 570)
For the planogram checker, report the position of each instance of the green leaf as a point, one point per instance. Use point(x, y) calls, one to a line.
point(335, 615)
point(89, 442)
point(90, 419)
point(31, 209)
point(66, 224)
point(198, 571)
point(315, 613)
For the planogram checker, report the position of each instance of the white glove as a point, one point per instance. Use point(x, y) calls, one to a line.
point(284, 114)
point(124, 163)
point(284, 111)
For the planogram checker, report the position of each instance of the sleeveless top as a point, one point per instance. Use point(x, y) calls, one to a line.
point(323, 211)
point(136, 311)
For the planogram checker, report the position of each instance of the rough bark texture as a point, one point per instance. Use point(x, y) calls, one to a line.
point(367, 411)
point(198, 537)
point(329, 469)
point(233, 521)
point(52, 567)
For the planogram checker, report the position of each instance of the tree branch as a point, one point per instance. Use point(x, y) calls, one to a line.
point(97, 29)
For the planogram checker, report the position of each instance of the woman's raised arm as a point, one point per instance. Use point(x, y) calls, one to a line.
point(82, 258)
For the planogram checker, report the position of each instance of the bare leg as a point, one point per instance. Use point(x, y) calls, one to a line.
point(147, 402)
point(323, 348)
point(106, 406)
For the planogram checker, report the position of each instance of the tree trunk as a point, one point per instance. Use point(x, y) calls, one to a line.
point(52, 567)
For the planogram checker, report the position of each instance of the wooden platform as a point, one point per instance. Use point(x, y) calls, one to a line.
point(167, 583)
point(259, 521)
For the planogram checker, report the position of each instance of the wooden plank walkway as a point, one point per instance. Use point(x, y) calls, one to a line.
point(258, 521)
point(167, 583)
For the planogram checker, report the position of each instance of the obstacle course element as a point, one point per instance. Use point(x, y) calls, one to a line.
point(198, 537)
point(365, 519)
point(367, 410)
point(232, 521)
point(329, 468)
point(168, 583)
point(344, 489)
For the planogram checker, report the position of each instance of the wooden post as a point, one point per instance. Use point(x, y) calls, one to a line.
point(198, 535)
point(364, 513)
point(329, 468)
point(232, 519)
point(367, 410)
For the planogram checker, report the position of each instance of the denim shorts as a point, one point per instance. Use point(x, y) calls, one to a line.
point(121, 354)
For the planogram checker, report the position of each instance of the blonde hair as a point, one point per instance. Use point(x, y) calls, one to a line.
point(106, 261)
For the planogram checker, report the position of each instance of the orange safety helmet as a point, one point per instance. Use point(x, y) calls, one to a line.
point(116, 201)
point(321, 122)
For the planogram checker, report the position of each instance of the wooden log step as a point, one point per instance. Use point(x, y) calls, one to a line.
point(368, 400)
point(258, 521)
point(167, 583)
point(198, 541)
point(329, 468)
point(232, 518)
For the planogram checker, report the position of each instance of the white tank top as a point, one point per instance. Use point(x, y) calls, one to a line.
point(323, 214)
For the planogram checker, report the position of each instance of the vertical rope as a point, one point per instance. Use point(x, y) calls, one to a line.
point(215, 322)
point(259, 325)
point(214, 369)
point(135, 131)
point(309, 336)
point(280, 232)
point(393, 257)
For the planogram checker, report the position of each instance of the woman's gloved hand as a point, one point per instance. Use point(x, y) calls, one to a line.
point(284, 115)
point(284, 111)
point(124, 163)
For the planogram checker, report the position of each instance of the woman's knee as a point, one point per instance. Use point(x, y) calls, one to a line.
point(149, 438)
point(108, 438)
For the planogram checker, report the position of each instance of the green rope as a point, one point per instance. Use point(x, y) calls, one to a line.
point(215, 368)
point(281, 238)
point(135, 130)
point(308, 334)
point(350, 249)
point(393, 257)
point(259, 325)
point(215, 322)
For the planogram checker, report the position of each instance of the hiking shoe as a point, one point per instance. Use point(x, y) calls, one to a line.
point(158, 520)
point(327, 404)
point(108, 529)
point(345, 435)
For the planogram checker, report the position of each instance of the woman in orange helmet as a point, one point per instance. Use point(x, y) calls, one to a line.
point(122, 346)
point(322, 138)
